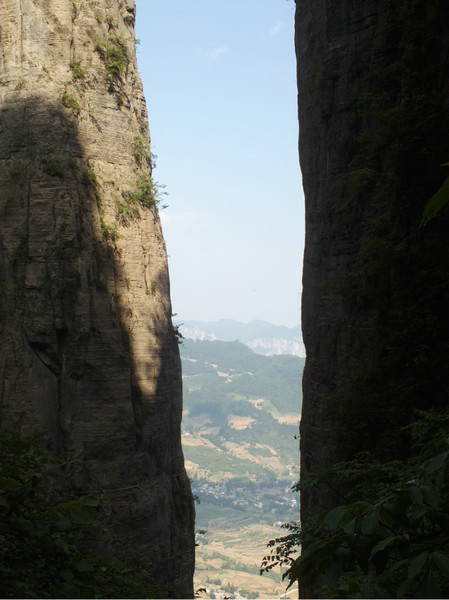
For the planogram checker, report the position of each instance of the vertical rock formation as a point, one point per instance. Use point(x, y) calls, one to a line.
point(374, 116)
point(88, 354)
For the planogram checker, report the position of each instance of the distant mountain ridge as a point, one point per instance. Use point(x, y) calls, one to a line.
point(262, 337)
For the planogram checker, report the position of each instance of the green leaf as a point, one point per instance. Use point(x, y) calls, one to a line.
point(349, 526)
point(333, 518)
point(380, 592)
point(432, 496)
point(67, 575)
point(91, 501)
point(428, 587)
point(382, 545)
point(417, 514)
point(417, 565)
point(70, 591)
point(80, 517)
point(64, 523)
point(415, 494)
point(436, 203)
point(441, 561)
point(370, 522)
point(435, 463)
point(84, 566)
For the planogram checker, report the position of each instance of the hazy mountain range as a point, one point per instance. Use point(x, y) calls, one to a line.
point(260, 336)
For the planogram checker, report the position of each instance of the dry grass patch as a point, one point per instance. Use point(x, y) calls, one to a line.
point(287, 419)
point(244, 452)
point(189, 440)
point(237, 422)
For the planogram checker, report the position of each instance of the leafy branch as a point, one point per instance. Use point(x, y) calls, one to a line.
point(391, 538)
point(47, 540)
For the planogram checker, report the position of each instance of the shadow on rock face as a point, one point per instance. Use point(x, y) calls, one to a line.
point(88, 355)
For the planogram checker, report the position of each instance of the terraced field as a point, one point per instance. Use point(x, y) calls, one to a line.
point(229, 555)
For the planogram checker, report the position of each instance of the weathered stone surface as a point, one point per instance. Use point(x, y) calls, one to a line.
point(88, 355)
point(373, 114)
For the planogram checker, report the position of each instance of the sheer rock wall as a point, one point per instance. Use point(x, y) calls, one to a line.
point(373, 114)
point(88, 354)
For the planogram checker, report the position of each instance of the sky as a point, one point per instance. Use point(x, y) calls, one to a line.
point(220, 84)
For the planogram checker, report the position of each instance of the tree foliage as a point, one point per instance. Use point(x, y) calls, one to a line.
point(390, 539)
point(47, 541)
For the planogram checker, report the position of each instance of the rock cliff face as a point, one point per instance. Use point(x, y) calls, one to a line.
point(373, 112)
point(88, 355)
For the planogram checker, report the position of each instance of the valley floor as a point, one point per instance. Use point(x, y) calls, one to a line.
point(229, 554)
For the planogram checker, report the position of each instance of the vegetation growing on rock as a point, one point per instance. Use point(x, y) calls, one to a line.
point(69, 101)
point(48, 538)
point(390, 536)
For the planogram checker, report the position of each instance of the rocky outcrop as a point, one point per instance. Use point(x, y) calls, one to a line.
point(373, 114)
point(88, 354)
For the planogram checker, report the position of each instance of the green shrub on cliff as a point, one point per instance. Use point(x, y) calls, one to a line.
point(114, 55)
point(391, 538)
point(71, 102)
point(146, 194)
point(77, 70)
point(47, 540)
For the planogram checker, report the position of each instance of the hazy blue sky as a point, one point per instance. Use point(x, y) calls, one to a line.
point(220, 85)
